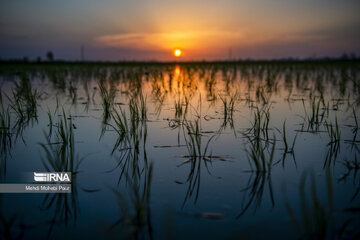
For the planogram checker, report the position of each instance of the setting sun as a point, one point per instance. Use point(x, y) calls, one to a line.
point(177, 52)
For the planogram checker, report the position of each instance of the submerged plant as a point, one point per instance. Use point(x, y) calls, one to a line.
point(287, 148)
point(5, 139)
point(138, 108)
point(131, 136)
point(193, 140)
point(254, 191)
point(228, 109)
point(24, 100)
point(197, 155)
point(334, 133)
point(313, 122)
point(108, 97)
point(135, 214)
point(317, 220)
point(334, 143)
point(5, 134)
point(60, 156)
point(181, 109)
point(260, 127)
point(260, 157)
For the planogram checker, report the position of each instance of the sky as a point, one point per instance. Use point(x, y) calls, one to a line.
point(113, 30)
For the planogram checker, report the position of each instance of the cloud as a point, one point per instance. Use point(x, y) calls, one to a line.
point(164, 41)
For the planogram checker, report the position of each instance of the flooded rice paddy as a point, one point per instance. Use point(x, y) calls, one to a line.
point(183, 151)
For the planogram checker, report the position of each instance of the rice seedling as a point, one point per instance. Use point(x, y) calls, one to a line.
point(135, 214)
point(127, 113)
point(6, 140)
point(27, 97)
point(260, 157)
point(178, 109)
point(131, 135)
point(197, 155)
point(287, 148)
point(23, 103)
point(228, 106)
point(59, 151)
point(262, 96)
point(60, 148)
point(138, 108)
point(316, 219)
point(122, 128)
point(352, 165)
point(352, 168)
point(254, 190)
point(228, 110)
point(333, 132)
point(193, 140)
point(259, 130)
point(315, 120)
point(5, 134)
point(72, 93)
point(108, 97)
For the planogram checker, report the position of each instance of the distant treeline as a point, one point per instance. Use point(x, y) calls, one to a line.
point(344, 58)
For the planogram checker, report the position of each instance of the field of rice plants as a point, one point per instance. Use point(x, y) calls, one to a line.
point(206, 150)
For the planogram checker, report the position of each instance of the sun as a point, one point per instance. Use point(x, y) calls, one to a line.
point(177, 52)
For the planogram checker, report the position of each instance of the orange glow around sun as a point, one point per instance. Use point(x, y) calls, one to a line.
point(177, 52)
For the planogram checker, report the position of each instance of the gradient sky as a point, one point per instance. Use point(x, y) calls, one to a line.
point(206, 29)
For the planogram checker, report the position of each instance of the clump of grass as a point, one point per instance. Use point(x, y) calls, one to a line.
point(138, 107)
point(132, 134)
point(60, 147)
point(228, 106)
point(180, 109)
point(59, 151)
point(72, 92)
point(262, 96)
point(108, 97)
point(135, 220)
point(122, 128)
point(5, 134)
point(254, 191)
point(26, 96)
point(193, 140)
point(24, 106)
point(352, 165)
point(334, 133)
point(228, 109)
point(287, 148)
point(260, 127)
point(355, 129)
point(197, 155)
point(334, 143)
point(316, 118)
point(316, 219)
point(260, 157)
point(5, 140)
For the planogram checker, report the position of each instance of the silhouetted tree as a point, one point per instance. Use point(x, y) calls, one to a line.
point(50, 56)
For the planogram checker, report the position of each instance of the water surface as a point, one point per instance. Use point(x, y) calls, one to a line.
point(186, 151)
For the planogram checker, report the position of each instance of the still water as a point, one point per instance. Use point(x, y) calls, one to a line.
point(183, 151)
